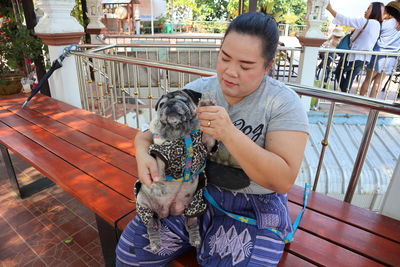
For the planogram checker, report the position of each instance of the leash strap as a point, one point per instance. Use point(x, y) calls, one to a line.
point(285, 238)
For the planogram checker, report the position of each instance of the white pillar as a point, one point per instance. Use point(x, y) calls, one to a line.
point(307, 68)
point(63, 83)
point(311, 41)
point(390, 206)
point(58, 29)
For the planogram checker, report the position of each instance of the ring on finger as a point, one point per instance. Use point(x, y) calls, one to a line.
point(209, 124)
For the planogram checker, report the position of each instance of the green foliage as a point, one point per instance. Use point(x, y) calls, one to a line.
point(202, 10)
point(281, 8)
point(17, 42)
point(78, 13)
point(290, 18)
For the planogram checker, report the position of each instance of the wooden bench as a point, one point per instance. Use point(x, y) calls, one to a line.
point(93, 159)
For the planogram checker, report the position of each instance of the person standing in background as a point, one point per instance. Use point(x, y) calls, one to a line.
point(389, 41)
point(364, 37)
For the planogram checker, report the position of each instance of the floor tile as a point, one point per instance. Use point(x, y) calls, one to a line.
point(33, 229)
point(23, 216)
point(9, 239)
point(83, 212)
point(36, 262)
point(85, 236)
point(59, 255)
point(43, 205)
point(30, 228)
point(16, 255)
point(42, 241)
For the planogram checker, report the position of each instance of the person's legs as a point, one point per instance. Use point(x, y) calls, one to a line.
point(133, 248)
point(376, 87)
point(351, 74)
point(229, 242)
point(366, 82)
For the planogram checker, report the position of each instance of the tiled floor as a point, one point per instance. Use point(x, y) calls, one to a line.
point(49, 228)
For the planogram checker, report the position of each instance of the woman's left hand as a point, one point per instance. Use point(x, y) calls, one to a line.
point(215, 121)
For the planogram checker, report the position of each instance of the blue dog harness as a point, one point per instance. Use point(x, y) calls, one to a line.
point(194, 153)
point(285, 238)
point(187, 173)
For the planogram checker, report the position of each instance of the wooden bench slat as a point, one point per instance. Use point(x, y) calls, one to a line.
point(342, 211)
point(101, 150)
point(99, 133)
point(97, 168)
point(324, 253)
point(290, 260)
point(348, 236)
point(88, 116)
point(59, 106)
point(92, 194)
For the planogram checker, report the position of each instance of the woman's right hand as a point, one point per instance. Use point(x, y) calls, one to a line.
point(146, 164)
point(147, 169)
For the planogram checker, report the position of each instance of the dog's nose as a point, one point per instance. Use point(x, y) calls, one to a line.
point(173, 121)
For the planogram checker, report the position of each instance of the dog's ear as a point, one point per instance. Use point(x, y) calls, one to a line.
point(158, 102)
point(195, 96)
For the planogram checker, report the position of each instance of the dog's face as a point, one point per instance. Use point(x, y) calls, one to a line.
point(175, 112)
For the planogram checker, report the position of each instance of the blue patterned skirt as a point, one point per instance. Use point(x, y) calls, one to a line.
point(225, 241)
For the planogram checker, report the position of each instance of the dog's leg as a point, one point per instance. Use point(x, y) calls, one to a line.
point(159, 188)
point(192, 227)
point(153, 229)
point(208, 140)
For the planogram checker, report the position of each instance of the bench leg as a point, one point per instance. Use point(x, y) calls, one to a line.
point(108, 240)
point(10, 170)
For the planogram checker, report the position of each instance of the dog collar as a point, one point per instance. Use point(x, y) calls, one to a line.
point(187, 172)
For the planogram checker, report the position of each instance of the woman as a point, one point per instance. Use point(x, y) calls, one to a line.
point(389, 41)
point(262, 128)
point(363, 38)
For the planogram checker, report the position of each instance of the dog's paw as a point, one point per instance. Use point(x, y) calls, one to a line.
point(206, 100)
point(194, 240)
point(155, 246)
point(158, 189)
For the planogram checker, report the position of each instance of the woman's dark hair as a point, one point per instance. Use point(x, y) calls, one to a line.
point(376, 12)
point(260, 25)
point(393, 12)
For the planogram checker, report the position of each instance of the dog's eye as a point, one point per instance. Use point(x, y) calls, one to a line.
point(182, 98)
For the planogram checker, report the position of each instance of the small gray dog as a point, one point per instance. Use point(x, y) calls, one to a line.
point(180, 149)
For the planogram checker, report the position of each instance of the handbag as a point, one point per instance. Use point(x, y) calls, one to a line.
point(346, 43)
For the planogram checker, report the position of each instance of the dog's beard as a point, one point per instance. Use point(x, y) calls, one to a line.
point(176, 119)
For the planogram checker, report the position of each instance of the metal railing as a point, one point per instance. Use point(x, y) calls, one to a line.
point(110, 86)
point(167, 38)
point(204, 55)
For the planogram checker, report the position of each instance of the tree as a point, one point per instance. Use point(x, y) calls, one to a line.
point(277, 8)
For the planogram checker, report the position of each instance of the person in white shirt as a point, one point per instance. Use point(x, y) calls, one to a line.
point(389, 41)
point(363, 38)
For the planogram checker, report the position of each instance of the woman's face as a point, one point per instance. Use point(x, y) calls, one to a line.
point(240, 66)
point(367, 12)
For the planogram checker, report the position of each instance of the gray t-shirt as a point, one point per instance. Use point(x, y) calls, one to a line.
point(273, 106)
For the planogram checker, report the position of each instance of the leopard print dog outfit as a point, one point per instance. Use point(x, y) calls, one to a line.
point(173, 153)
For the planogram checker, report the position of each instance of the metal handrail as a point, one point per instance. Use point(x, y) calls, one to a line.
point(168, 45)
point(340, 97)
point(359, 52)
point(148, 63)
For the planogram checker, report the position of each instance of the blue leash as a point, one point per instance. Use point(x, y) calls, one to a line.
point(285, 238)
